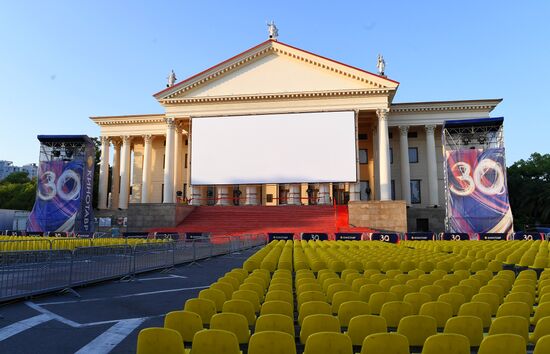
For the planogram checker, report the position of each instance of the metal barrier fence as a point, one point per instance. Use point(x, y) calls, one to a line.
point(33, 272)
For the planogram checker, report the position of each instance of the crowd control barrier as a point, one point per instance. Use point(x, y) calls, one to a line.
point(25, 273)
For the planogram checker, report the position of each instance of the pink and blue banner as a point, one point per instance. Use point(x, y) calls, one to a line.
point(477, 193)
point(65, 191)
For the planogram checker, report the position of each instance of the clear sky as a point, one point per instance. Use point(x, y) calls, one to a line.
point(63, 61)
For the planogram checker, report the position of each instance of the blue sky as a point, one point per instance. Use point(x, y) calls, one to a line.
point(63, 61)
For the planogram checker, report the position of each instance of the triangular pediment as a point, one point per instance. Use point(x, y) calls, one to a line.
point(273, 68)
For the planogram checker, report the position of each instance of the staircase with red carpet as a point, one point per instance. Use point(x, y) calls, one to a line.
point(235, 220)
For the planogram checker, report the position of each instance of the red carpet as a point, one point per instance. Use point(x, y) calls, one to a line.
point(237, 220)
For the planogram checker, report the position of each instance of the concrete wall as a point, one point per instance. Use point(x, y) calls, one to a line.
point(381, 215)
point(435, 217)
point(142, 217)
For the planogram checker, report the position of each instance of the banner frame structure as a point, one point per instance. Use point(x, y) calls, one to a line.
point(476, 191)
point(65, 185)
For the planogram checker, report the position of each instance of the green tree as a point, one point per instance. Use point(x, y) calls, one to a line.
point(17, 191)
point(529, 190)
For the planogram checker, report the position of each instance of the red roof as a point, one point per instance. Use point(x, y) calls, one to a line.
point(259, 45)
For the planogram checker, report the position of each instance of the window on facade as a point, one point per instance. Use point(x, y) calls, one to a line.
point(413, 155)
point(412, 135)
point(365, 190)
point(422, 225)
point(185, 160)
point(186, 142)
point(363, 156)
point(362, 136)
point(391, 156)
point(415, 191)
point(392, 189)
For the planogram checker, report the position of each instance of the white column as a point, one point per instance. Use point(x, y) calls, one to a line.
point(115, 177)
point(251, 195)
point(294, 194)
point(432, 165)
point(324, 195)
point(103, 174)
point(405, 168)
point(177, 162)
point(195, 195)
point(384, 154)
point(146, 173)
point(354, 191)
point(125, 172)
point(376, 195)
point(222, 195)
point(169, 162)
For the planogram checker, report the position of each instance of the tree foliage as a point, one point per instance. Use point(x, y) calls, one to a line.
point(17, 191)
point(529, 190)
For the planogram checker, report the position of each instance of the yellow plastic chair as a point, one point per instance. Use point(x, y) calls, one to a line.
point(417, 300)
point(394, 311)
point(401, 290)
point(350, 309)
point(225, 287)
point(469, 326)
point(417, 328)
point(277, 307)
point(275, 322)
point(203, 307)
point(503, 344)
point(328, 343)
point(543, 345)
point(511, 324)
point(159, 340)
point(433, 290)
point(249, 296)
point(448, 343)
point(209, 341)
point(185, 322)
point(215, 295)
point(491, 299)
point(465, 290)
point(479, 309)
point(308, 287)
point(313, 308)
point(341, 297)
point(541, 329)
point(232, 322)
point(282, 287)
point(318, 323)
point(336, 288)
point(439, 310)
point(257, 288)
point(388, 343)
point(230, 280)
point(271, 342)
point(527, 298)
point(279, 295)
point(542, 310)
point(515, 309)
point(242, 307)
point(364, 325)
point(376, 301)
point(368, 289)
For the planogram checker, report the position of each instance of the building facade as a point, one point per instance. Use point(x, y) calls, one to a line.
point(399, 144)
point(7, 168)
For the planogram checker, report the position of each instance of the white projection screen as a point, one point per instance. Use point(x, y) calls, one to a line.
point(274, 148)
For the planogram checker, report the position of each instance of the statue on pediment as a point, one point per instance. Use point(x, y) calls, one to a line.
point(381, 65)
point(273, 30)
point(171, 79)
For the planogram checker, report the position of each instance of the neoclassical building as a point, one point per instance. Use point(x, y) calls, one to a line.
point(399, 146)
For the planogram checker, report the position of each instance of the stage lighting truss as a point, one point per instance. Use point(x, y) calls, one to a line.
point(475, 137)
point(65, 151)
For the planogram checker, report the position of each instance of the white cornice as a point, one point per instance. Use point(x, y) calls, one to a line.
point(280, 96)
point(445, 106)
point(129, 119)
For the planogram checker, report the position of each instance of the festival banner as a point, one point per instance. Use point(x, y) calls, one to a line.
point(477, 193)
point(64, 193)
